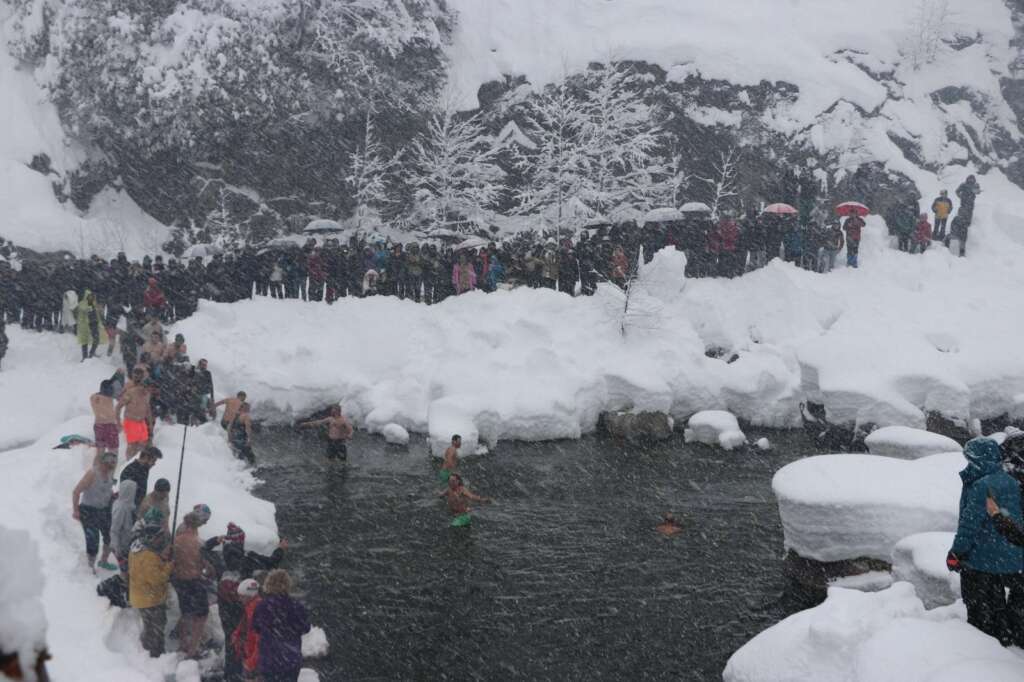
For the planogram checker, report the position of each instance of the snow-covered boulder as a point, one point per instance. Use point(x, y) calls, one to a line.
point(908, 443)
point(454, 415)
point(836, 507)
point(314, 643)
point(921, 560)
point(715, 427)
point(763, 444)
point(396, 434)
point(885, 636)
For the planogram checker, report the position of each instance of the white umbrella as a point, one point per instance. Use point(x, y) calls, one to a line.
point(472, 243)
point(322, 226)
point(694, 207)
point(202, 251)
point(662, 215)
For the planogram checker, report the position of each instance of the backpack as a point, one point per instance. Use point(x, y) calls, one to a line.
point(114, 589)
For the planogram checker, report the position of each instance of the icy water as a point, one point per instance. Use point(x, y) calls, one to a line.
point(563, 578)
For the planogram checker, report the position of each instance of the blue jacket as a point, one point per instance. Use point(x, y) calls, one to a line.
point(978, 543)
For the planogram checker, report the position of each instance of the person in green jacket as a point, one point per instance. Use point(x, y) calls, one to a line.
point(89, 316)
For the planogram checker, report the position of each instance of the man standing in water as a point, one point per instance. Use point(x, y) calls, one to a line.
point(458, 498)
point(231, 408)
point(138, 414)
point(105, 425)
point(451, 459)
point(339, 430)
point(668, 526)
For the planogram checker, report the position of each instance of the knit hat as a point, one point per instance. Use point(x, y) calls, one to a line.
point(202, 513)
point(235, 534)
point(154, 517)
point(248, 588)
point(162, 485)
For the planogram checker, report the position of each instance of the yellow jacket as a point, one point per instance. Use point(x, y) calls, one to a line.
point(147, 579)
point(941, 207)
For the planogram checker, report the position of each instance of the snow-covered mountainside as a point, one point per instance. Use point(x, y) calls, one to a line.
point(908, 84)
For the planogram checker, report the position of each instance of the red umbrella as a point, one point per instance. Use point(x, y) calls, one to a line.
point(851, 207)
point(780, 209)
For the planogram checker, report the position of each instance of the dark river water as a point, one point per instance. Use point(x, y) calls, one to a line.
point(562, 578)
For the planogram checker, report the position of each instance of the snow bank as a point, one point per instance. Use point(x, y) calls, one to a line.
point(536, 365)
point(22, 621)
point(715, 427)
point(885, 636)
point(837, 507)
point(921, 560)
point(907, 443)
point(42, 383)
point(89, 640)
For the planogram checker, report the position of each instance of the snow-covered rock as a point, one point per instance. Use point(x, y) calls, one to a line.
point(314, 643)
point(836, 507)
point(715, 427)
point(885, 636)
point(308, 675)
point(908, 443)
point(763, 444)
point(921, 560)
point(395, 434)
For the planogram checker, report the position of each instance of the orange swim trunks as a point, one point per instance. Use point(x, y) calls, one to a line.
point(135, 432)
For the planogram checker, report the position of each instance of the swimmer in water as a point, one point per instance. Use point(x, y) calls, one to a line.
point(458, 498)
point(451, 459)
point(668, 526)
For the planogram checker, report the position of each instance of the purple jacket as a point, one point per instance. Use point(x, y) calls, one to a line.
point(280, 621)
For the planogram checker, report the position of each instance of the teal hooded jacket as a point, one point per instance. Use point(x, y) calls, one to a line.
point(978, 543)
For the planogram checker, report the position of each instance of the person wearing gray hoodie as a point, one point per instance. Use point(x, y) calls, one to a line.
point(122, 519)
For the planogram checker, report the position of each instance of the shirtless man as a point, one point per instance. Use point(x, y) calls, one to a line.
point(176, 350)
point(105, 423)
point(231, 407)
point(458, 498)
point(339, 430)
point(451, 459)
point(240, 434)
point(137, 413)
point(668, 526)
point(154, 347)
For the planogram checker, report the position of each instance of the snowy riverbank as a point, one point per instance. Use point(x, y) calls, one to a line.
point(884, 344)
point(41, 386)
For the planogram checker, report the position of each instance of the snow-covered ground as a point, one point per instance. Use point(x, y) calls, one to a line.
point(883, 344)
point(43, 395)
point(885, 636)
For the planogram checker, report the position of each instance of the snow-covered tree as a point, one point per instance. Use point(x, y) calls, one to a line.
point(219, 227)
point(367, 174)
point(557, 167)
point(452, 171)
point(722, 183)
point(669, 178)
point(619, 139)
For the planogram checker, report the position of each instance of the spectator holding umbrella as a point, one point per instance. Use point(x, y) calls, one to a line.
point(852, 226)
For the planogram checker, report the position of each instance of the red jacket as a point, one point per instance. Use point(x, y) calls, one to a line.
point(152, 297)
point(725, 237)
point(853, 226)
point(246, 641)
point(315, 266)
point(923, 232)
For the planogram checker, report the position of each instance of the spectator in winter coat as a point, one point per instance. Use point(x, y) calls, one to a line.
point(852, 226)
point(463, 275)
point(244, 642)
point(122, 520)
point(793, 244)
point(988, 563)
point(280, 621)
point(549, 271)
point(67, 317)
point(922, 234)
point(967, 192)
point(317, 275)
point(153, 299)
point(832, 244)
point(752, 232)
point(149, 569)
point(722, 242)
point(90, 325)
point(942, 207)
point(495, 273)
point(958, 232)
